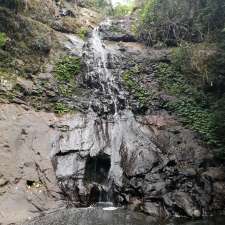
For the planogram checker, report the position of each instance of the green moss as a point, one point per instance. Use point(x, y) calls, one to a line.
point(3, 39)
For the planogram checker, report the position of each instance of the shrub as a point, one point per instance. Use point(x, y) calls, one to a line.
point(139, 92)
point(190, 104)
point(195, 60)
point(83, 32)
point(61, 108)
point(3, 39)
point(67, 68)
point(15, 5)
point(171, 21)
point(123, 9)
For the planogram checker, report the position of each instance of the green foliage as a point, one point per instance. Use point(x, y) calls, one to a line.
point(3, 39)
point(83, 32)
point(195, 61)
point(171, 21)
point(196, 117)
point(103, 6)
point(16, 5)
point(122, 9)
point(101, 3)
point(190, 104)
point(130, 79)
point(61, 108)
point(67, 68)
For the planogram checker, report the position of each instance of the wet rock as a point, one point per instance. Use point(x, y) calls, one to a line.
point(120, 37)
point(185, 202)
point(144, 157)
point(215, 174)
point(188, 172)
point(117, 31)
point(135, 204)
point(154, 209)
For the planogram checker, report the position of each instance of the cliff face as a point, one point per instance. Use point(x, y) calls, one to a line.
point(27, 181)
point(28, 87)
point(127, 148)
point(115, 141)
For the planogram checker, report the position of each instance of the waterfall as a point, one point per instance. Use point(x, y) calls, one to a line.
point(108, 153)
point(99, 63)
point(106, 142)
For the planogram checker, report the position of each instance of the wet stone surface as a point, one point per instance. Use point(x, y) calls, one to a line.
point(97, 216)
point(151, 162)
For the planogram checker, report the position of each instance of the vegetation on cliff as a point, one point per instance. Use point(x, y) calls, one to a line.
point(33, 69)
point(171, 21)
point(193, 29)
point(195, 75)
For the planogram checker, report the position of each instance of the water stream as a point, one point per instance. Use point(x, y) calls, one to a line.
point(97, 216)
point(97, 60)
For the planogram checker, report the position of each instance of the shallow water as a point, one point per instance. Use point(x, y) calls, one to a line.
point(98, 216)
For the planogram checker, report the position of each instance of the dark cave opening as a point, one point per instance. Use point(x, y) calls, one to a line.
point(97, 168)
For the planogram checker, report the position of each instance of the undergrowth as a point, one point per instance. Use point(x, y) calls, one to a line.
point(132, 84)
point(61, 108)
point(3, 39)
point(67, 68)
point(190, 104)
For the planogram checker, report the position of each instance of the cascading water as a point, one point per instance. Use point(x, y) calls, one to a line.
point(110, 154)
point(118, 125)
point(108, 131)
point(98, 65)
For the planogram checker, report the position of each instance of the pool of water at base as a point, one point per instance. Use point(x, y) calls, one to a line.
point(99, 216)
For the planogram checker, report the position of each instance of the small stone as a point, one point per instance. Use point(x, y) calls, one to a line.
point(27, 85)
point(196, 213)
point(45, 76)
point(3, 181)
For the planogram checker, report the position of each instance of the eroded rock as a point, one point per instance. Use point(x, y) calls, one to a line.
point(27, 183)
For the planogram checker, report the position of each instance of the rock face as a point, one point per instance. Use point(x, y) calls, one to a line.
point(27, 180)
point(118, 147)
point(119, 152)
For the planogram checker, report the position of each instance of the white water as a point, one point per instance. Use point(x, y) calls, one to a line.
point(110, 208)
point(101, 54)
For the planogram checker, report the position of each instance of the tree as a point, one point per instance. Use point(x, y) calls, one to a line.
point(170, 21)
point(15, 5)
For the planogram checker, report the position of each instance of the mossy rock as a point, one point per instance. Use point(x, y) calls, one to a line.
point(27, 35)
point(7, 81)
